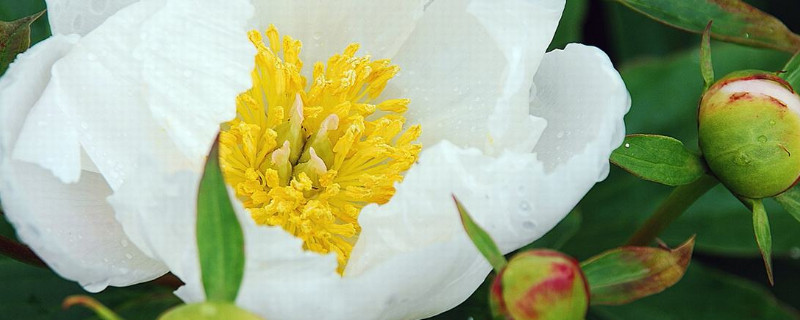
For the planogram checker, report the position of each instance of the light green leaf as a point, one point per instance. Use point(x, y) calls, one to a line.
point(763, 235)
point(219, 236)
point(659, 159)
point(790, 200)
point(481, 239)
point(625, 274)
point(15, 38)
point(734, 21)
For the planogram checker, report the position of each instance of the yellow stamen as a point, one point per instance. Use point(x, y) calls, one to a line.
point(309, 159)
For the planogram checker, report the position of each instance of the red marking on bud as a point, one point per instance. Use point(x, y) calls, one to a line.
point(739, 96)
point(556, 287)
point(777, 102)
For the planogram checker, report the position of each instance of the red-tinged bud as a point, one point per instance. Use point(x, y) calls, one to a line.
point(749, 132)
point(540, 285)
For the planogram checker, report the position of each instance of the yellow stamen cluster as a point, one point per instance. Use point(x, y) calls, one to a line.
point(309, 159)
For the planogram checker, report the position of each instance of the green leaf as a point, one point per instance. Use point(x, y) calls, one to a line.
point(659, 159)
point(734, 21)
point(220, 242)
point(703, 293)
point(15, 38)
point(763, 235)
point(706, 67)
point(481, 239)
point(626, 274)
point(791, 72)
point(790, 200)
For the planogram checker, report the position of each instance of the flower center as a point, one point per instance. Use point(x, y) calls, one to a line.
point(309, 160)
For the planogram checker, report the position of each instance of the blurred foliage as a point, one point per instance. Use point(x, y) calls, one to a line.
point(660, 66)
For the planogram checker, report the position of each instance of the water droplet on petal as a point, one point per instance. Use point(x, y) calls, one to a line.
point(762, 139)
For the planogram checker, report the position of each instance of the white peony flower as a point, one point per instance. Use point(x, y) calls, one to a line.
point(105, 126)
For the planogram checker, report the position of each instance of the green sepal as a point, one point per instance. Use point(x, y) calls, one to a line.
point(626, 274)
point(790, 201)
point(659, 159)
point(706, 67)
point(481, 239)
point(763, 235)
point(15, 38)
point(220, 242)
point(791, 71)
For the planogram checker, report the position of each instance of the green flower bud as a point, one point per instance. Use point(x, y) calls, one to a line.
point(208, 311)
point(749, 130)
point(540, 284)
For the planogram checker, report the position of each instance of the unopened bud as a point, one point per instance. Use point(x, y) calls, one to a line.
point(541, 284)
point(208, 311)
point(749, 131)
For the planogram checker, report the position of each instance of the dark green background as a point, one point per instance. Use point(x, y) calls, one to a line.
point(726, 279)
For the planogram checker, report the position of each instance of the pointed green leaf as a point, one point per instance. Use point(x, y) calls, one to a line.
point(481, 239)
point(15, 38)
point(790, 200)
point(734, 21)
point(220, 242)
point(625, 274)
point(706, 67)
point(763, 235)
point(659, 159)
point(791, 72)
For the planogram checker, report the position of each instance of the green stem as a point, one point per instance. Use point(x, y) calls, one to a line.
point(673, 206)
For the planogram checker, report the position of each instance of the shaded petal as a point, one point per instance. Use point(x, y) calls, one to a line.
point(327, 27)
point(72, 227)
point(583, 99)
point(81, 16)
point(23, 83)
point(467, 68)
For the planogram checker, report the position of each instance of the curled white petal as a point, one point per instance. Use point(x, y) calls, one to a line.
point(327, 27)
point(467, 70)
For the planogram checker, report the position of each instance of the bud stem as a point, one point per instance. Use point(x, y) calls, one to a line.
point(670, 209)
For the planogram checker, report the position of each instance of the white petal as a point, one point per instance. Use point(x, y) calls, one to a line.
point(49, 139)
point(72, 227)
point(23, 83)
point(81, 16)
point(194, 71)
point(327, 27)
point(583, 99)
point(134, 102)
point(467, 66)
point(97, 85)
point(157, 210)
